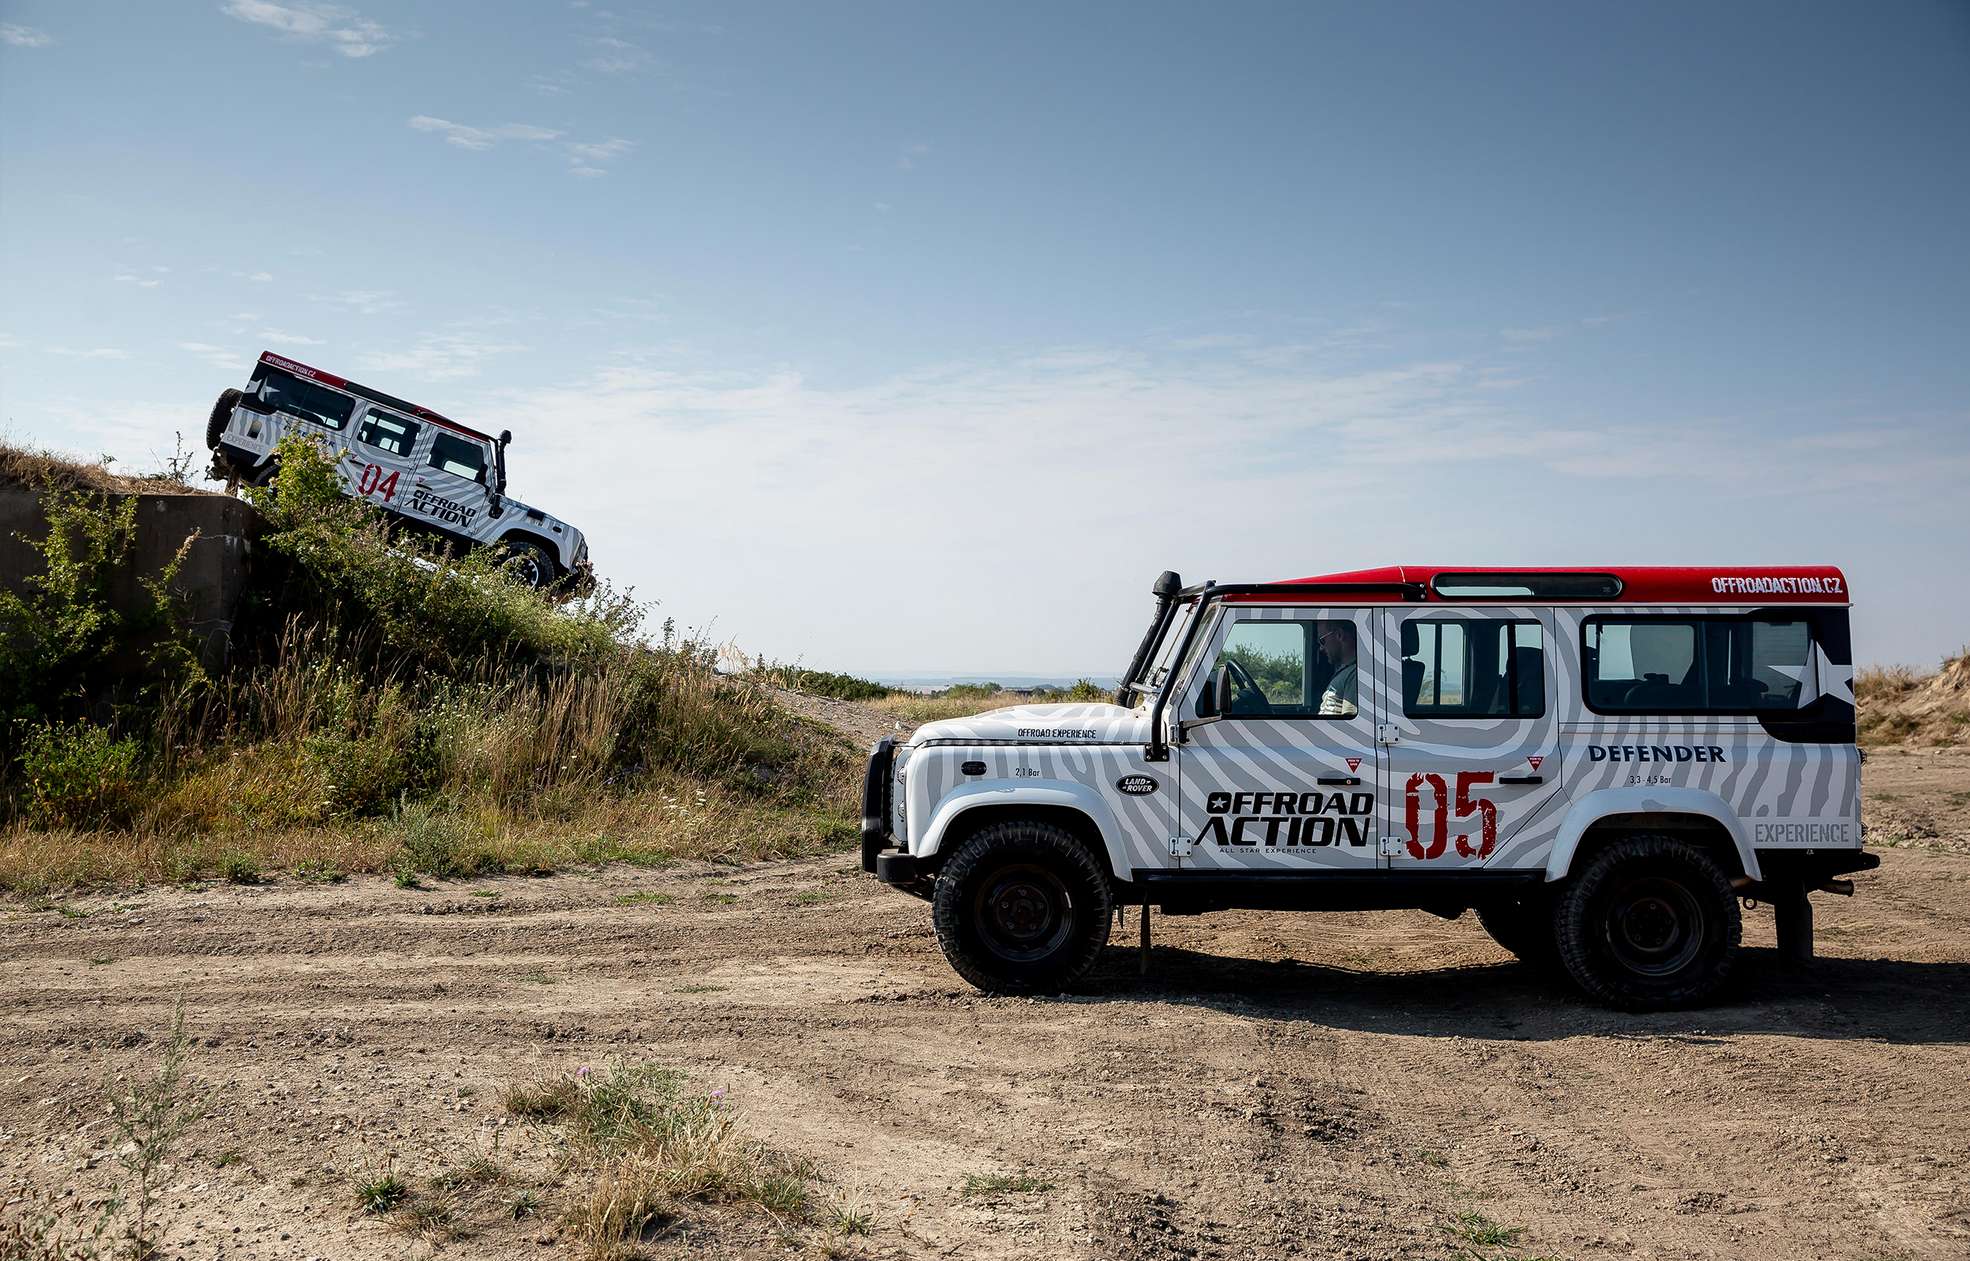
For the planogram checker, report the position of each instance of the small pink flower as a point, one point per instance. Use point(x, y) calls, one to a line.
point(582, 1071)
point(718, 1095)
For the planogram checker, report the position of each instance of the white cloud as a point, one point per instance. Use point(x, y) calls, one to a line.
point(141, 282)
point(344, 30)
point(361, 301)
point(18, 36)
point(617, 56)
point(907, 161)
point(1529, 336)
point(586, 172)
point(480, 138)
point(602, 151)
point(223, 358)
point(97, 352)
point(256, 277)
point(440, 356)
point(278, 338)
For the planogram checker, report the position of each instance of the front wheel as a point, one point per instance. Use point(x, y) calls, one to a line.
point(1650, 923)
point(529, 564)
point(1022, 908)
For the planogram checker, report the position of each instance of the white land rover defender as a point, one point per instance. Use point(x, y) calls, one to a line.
point(1599, 764)
point(431, 474)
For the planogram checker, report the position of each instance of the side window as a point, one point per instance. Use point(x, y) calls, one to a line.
point(1695, 665)
point(459, 456)
point(1473, 668)
point(283, 391)
point(386, 432)
point(1291, 669)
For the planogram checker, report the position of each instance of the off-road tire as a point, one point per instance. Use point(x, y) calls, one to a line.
point(530, 564)
point(1523, 926)
point(1650, 922)
point(1022, 907)
point(222, 415)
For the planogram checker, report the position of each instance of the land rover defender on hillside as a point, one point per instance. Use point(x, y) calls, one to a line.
point(429, 473)
point(1601, 764)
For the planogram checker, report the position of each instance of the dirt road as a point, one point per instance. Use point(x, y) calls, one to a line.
point(1385, 1085)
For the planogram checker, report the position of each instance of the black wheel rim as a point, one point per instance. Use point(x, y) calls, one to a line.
point(1023, 912)
point(527, 569)
point(1655, 926)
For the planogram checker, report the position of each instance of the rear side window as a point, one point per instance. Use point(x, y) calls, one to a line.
point(460, 456)
point(1473, 668)
point(1696, 665)
point(386, 432)
point(289, 393)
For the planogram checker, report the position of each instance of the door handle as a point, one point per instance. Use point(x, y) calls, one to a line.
point(1521, 779)
point(1346, 781)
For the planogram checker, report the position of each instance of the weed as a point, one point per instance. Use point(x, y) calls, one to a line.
point(97, 961)
point(318, 871)
point(148, 1115)
point(434, 1220)
point(700, 989)
point(850, 1217)
point(1434, 1159)
point(816, 897)
point(1001, 1183)
point(526, 1204)
point(721, 899)
point(78, 775)
point(66, 911)
point(226, 1159)
point(239, 867)
point(539, 1098)
point(1479, 1231)
point(485, 893)
point(379, 1192)
point(644, 897)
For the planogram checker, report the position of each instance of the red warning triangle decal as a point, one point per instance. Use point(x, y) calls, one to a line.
point(1536, 761)
point(1354, 763)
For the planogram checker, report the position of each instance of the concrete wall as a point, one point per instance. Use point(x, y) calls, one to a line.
point(211, 584)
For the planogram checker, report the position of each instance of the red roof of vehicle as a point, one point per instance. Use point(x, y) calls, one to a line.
point(1640, 584)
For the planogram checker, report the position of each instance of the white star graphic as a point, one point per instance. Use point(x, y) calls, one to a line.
point(1830, 679)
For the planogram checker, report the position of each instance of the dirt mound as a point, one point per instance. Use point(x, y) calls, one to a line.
point(1899, 705)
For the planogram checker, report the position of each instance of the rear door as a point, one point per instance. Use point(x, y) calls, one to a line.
point(1284, 783)
point(1471, 736)
point(382, 462)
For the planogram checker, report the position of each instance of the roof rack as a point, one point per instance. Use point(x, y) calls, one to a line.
point(1542, 585)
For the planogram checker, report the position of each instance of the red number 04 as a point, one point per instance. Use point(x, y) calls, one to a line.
point(1467, 805)
point(372, 480)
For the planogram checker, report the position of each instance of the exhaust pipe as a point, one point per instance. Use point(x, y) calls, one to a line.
point(1845, 888)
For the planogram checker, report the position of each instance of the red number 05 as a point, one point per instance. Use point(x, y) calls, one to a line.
point(1467, 805)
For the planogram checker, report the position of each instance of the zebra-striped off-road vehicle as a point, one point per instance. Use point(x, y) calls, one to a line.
point(430, 473)
point(1600, 764)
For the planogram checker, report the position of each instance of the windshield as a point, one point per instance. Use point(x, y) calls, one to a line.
point(289, 393)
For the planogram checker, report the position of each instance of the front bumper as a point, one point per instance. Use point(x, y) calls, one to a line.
point(882, 854)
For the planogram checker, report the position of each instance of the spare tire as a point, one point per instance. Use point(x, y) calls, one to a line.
point(222, 415)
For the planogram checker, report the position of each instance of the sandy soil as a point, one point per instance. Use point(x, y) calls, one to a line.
point(1279, 1086)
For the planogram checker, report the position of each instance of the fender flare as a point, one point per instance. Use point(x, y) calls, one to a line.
point(1598, 805)
point(1054, 794)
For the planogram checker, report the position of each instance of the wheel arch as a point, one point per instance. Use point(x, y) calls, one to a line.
point(1695, 815)
point(1072, 807)
point(523, 535)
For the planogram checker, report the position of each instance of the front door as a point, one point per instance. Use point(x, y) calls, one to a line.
point(1471, 751)
point(1284, 782)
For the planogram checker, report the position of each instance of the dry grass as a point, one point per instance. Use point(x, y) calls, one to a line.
point(912, 707)
point(645, 1152)
point(27, 466)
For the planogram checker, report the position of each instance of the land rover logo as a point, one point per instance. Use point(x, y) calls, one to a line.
point(1137, 785)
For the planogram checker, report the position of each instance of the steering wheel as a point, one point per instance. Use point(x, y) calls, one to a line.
point(1246, 683)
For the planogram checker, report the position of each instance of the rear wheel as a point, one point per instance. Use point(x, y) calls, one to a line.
point(1022, 908)
point(1523, 926)
point(222, 415)
point(529, 564)
point(1651, 922)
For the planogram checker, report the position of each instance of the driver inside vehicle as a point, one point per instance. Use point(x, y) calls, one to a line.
point(1337, 646)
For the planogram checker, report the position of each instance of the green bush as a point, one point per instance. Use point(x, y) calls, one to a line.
point(438, 843)
point(77, 775)
point(842, 687)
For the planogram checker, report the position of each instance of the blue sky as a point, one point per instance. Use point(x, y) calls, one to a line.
point(917, 337)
